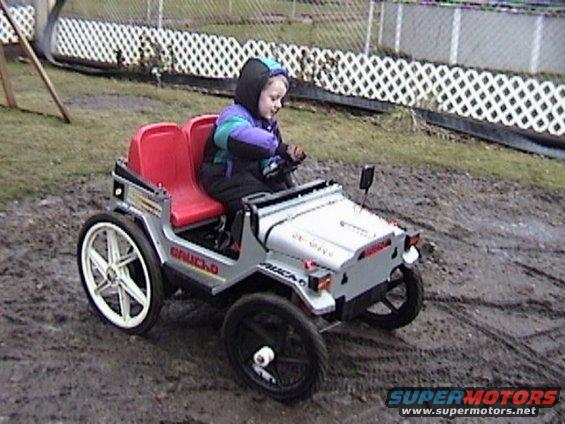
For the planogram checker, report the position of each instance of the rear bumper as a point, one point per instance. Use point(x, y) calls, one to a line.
point(346, 311)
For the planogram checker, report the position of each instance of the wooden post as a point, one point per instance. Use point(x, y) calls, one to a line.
point(36, 63)
point(5, 81)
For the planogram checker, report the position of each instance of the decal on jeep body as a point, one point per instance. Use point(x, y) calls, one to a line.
point(192, 259)
point(313, 244)
point(285, 273)
point(142, 202)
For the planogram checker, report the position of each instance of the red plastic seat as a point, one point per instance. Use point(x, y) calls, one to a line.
point(197, 131)
point(163, 154)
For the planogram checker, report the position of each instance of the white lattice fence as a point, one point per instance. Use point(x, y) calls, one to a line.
point(526, 103)
point(25, 19)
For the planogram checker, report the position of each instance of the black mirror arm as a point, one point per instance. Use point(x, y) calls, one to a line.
point(367, 175)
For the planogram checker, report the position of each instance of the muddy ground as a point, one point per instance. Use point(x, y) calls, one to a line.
point(494, 314)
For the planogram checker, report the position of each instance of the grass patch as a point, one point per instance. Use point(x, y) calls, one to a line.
point(336, 135)
point(37, 152)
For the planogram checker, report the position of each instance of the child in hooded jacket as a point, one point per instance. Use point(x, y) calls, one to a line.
point(246, 137)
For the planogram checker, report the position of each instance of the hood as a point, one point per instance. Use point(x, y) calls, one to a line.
point(253, 77)
point(332, 231)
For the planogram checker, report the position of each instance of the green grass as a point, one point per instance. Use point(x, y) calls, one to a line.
point(39, 151)
point(340, 136)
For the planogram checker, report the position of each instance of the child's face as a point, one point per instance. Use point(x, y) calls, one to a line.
point(270, 100)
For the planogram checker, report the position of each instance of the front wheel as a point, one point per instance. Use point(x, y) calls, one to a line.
point(120, 272)
point(401, 303)
point(274, 348)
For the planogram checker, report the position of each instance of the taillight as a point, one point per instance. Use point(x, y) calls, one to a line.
point(309, 264)
point(411, 240)
point(375, 248)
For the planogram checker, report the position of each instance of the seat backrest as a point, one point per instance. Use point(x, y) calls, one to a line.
point(197, 131)
point(160, 154)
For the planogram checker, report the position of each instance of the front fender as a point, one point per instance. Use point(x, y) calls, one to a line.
point(319, 303)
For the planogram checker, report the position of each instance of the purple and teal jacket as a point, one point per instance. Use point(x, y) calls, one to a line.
point(240, 134)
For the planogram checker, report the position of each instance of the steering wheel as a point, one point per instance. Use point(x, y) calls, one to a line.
point(282, 169)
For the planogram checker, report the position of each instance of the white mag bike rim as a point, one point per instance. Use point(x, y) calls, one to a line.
point(107, 272)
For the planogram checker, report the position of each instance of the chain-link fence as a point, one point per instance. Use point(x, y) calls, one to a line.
point(518, 36)
point(341, 24)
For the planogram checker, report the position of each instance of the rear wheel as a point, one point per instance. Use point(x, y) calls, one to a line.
point(120, 273)
point(401, 303)
point(274, 348)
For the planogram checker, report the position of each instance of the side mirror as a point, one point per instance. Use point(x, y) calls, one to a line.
point(367, 175)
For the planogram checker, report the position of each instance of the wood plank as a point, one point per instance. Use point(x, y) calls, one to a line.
point(10, 99)
point(36, 63)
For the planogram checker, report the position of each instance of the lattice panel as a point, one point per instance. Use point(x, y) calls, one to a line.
point(223, 55)
point(25, 19)
point(99, 41)
point(526, 103)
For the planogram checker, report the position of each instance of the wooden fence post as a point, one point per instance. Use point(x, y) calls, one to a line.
point(10, 99)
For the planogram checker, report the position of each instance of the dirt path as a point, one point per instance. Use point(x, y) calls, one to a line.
point(494, 314)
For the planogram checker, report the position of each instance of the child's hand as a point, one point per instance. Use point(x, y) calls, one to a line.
point(295, 153)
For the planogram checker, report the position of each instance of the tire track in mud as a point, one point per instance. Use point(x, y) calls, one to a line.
point(372, 380)
point(548, 368)
point(547, 332)
point(361, 383)
point(559, 282)
point(368, 373)
point(393, 364)
point(491, 248)
point(417, 352)
point(405, 351)
point(556, 350)
point(418, 223)
point(522, 249)
point(386, 375)
point(530, 305)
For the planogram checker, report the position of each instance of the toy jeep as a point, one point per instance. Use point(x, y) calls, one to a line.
point(309, 257)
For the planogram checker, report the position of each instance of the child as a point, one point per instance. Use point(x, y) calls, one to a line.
point(246, 137)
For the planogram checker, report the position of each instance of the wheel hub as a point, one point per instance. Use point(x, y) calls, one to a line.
point(112, 275)
point(264, 356)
